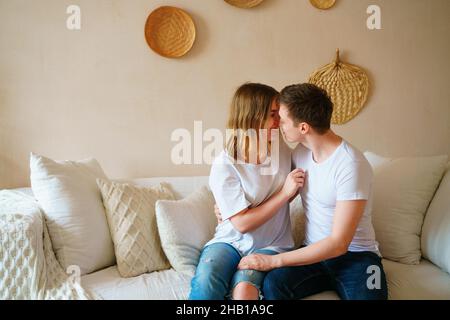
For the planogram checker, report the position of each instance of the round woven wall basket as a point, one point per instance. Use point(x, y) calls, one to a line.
point(170, 32)
point(323, 4)
point(246, 4)
point(347, 86)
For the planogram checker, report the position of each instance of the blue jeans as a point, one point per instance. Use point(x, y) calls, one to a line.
point(354, 276)
point(217, 275)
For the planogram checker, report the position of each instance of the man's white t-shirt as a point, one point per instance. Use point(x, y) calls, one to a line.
point(239, 186)
point(345, 175)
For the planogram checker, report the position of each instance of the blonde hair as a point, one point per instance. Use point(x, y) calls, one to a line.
point(249, 111)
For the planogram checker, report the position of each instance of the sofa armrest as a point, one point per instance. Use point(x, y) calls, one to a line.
point(21, 247)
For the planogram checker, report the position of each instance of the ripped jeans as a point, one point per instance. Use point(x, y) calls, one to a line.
point(217, 273)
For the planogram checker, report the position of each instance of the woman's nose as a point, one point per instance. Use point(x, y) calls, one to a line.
point(276, 122)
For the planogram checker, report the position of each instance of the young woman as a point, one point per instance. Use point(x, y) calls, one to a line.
point(252, 185)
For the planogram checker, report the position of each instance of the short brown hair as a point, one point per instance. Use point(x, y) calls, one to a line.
point(308, 103)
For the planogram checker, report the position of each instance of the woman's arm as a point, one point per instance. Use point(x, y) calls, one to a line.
point(250, 219)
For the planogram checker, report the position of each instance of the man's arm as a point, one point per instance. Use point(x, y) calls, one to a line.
point(346, 219)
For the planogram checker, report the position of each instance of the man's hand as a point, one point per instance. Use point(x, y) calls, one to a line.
point(259, 262)
point(218, 214)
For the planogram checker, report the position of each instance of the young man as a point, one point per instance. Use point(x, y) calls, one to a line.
point(340, 251)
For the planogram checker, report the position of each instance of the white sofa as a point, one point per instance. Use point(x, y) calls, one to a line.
point(422, 281)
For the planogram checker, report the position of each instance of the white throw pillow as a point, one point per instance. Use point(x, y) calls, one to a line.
point(69, 196)
point(184, 228)
point(130, 212)
point(436, 227)
point(403, 189)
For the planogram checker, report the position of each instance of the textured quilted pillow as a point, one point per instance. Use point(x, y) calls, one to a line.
point(185, 226)
point(130, 211)
point(403, 189)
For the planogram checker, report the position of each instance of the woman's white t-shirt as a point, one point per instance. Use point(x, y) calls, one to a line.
point(237, 186)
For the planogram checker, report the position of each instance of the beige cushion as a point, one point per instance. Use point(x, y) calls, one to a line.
point(68, 193)
point(298, 221)
point(403, 189)
point(184, 228)
point(130, 211)
point(436, 227)
point(424, 281)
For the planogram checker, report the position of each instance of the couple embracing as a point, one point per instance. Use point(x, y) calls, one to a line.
point(252, 254)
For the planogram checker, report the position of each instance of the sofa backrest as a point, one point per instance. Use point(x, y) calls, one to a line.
point(435, 240)
point(181, 186)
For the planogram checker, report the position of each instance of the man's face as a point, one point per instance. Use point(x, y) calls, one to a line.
point(291, 132)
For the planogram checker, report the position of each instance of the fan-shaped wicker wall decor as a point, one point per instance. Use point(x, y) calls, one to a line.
point(347, 85)
point(246, 4)
point(170, 31)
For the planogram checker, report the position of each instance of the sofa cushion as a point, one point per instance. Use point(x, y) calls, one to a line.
point(130, 211)
point(402, 191)
point(423, 281)
point(185, 226)
point(298, 221)
point(68, 193)
point(436, 227)
point(159, 285)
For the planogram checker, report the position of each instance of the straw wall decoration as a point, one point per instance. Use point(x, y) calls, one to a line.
point(347, 85)
point(323, 4)
point(245, 4)
point(170, 32)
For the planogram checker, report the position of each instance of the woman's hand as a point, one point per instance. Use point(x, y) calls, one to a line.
point(294, 181)
point(259, 262)
point(218, 214)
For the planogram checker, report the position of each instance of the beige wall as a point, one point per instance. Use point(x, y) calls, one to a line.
point(101, 92)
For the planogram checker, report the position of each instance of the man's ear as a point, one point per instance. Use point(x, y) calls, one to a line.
point(304, 128)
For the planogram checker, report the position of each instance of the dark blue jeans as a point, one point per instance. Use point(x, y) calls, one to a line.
point(354, 276)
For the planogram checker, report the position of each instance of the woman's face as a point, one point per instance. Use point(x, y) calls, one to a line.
point(273, 122)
